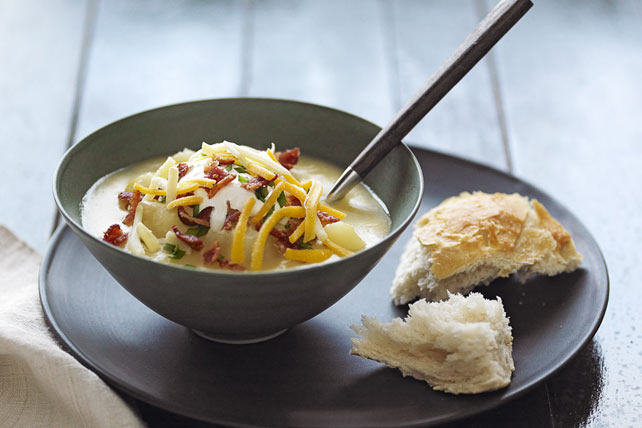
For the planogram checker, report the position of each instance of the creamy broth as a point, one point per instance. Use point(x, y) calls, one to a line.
point(101, 208)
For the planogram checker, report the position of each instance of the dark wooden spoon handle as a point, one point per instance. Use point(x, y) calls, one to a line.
point(477, 44)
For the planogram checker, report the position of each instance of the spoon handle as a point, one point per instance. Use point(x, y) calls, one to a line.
point(497, 23)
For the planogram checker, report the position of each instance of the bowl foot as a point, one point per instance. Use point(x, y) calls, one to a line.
point(237, 340)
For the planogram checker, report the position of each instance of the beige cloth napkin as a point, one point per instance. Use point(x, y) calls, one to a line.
point(40, 384)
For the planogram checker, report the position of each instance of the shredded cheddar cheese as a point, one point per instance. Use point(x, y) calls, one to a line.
point(172, 182)
point(264, 232)
point(299, 193)
point(256, 169)
point(201, 181)
point(295, 190)
point(271, 155)
point(269, 203)
point(133, 243)
point(186, 187)
point(311, 205)
point(307, 185)
point(336, 213)
point(319, 230)
point(186, 201)
point(290, 179)
point(238, 251)
point(148, 191)
point(151, 242)
point(336, 248)
point(308, 256)
point(297, 232)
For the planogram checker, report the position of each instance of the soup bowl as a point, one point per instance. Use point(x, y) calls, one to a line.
point(222, 305)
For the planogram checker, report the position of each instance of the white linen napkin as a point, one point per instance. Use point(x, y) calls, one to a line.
point(40, 384)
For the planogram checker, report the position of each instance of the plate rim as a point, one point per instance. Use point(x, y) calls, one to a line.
point(142, 395)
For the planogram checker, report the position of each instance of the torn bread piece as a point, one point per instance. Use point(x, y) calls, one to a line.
point(462, 345)
point(472, 239)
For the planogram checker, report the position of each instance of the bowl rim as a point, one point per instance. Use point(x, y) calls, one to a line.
point(117, 251)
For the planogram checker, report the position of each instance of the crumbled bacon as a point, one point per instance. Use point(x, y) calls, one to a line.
point(125, 196)
point(212, 254)
point(182, 169)
point(288, 158)
point(215, 172)
point(203, 217)
point(114, 235)
point(224, 160)
point(282, 239)
point(184, 195)
point(220, 184)
point(326, 218)
point(209, 167)
point(255, 183)
point(292, 224)
point(131, 207)
point(292, 201)
point(225, 264)
point(194, 242)
point(231, 217)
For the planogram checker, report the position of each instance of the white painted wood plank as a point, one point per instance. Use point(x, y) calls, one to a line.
point(571, 76)
point(329, 53)
point(147, 54)
point(465, 122)
point(40, 44)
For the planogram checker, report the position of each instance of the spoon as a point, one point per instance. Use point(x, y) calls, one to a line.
point(497, 23)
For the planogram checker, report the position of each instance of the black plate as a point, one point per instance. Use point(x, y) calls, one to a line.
point(306, 377)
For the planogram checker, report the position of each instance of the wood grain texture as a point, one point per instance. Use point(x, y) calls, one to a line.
point(476, 45)
point(40, 49)
point(147, 54)
point(571, 79)
point(465, 122)
point(329, 53)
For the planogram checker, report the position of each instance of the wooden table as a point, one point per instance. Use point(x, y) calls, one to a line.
point(558, 102)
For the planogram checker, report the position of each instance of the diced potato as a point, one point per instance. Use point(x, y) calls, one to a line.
point(164, 168)
point(156, 219)
point(183, 156)
point(344, 234)
point(143, 180)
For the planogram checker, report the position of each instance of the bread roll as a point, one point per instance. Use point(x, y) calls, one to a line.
point(472, 239)
point(462, 345)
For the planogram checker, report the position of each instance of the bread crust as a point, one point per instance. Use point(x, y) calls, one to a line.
point(473, 238)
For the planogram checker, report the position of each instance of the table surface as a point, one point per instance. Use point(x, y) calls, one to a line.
point(558, 102)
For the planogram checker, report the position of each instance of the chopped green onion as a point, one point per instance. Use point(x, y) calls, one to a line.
point(282, 200)
point(243, 179)
point(177, 254)
point(240, 169)
point(268, 214)
point(174, 251)
point(287, 226)
point(261, 193)
point(305, 245)
point(228, 167)
point(195, 211)
point(199, 230)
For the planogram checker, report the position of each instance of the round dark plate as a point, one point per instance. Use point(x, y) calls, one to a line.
point(306, 377)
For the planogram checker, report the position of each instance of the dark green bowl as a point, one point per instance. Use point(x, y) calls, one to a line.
point(223, 306)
